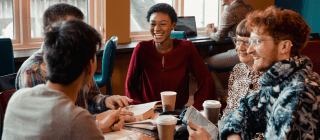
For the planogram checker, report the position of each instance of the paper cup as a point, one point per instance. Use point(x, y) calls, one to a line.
point(212, 110)
point(166, 127)
point(168, 99)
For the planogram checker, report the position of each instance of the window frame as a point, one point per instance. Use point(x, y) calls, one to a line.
point(22, 23)
point(178, 5)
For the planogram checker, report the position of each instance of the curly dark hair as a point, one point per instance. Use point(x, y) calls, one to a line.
point(68, 48)
point(59, 12)
point(282, 25)
point(163, 8)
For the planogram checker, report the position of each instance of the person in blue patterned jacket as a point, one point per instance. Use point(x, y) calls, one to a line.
point(288, 104)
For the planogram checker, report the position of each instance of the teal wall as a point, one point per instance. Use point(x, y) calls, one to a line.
point(309, 10)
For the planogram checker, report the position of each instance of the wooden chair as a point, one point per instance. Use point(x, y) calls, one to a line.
point(7, 88)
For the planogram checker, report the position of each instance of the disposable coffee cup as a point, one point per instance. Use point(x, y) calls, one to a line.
point(212, 110)
point(168, 99)
point(166, 127)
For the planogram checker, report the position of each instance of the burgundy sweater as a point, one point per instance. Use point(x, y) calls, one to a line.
point(146, 78)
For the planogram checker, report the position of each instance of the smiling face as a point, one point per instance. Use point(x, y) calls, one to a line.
point(242, 51)
point(264, 52)
point(160, 26)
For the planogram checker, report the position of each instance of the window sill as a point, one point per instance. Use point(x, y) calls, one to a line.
point(121, 48)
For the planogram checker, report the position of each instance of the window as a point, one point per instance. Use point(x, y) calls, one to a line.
point(205, 11)
point(39, 6)
point(21, 20)
point(6, 19)
point(139, 9)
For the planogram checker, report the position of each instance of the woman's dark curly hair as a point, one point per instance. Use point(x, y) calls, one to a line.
point(163, 8)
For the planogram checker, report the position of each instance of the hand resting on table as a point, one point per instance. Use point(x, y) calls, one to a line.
point(112, 122)
point(117, 100)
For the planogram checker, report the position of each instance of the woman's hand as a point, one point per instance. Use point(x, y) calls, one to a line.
point(197, 132)
point(112, 122)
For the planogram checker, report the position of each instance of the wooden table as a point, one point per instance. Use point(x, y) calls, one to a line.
point(124, 134)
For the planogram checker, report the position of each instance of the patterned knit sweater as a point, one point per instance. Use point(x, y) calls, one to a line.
point(286, 107)
point(230, 18)
point(239, 86)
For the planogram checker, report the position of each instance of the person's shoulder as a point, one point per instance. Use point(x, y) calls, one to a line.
point(64, 105)
point(21, 94)
point(32, 62)
point(240, 68)
point(238, 5)
point(183, 43)
point(312, 81)
point(145, 43)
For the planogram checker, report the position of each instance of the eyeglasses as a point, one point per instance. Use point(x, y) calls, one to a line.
point(237, 42)
point(256, 42)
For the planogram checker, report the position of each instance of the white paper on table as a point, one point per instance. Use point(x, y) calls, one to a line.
point(118, 134)
point(148, 121)
point(140, 108)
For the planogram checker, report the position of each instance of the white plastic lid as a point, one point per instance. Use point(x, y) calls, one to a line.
point(211, 104)
point(166, 120)
point(168, 93)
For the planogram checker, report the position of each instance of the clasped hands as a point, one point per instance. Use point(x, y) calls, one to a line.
point(113, 120)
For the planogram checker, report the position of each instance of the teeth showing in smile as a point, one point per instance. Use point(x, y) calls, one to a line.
point(158, 35)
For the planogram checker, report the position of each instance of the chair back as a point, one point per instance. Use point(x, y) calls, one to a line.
point(6, 57)
point(7, 88)
point(178, 35)
point(107, 63)
point(108, 57)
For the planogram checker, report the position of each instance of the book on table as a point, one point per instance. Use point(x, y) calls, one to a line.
point(149, 124)
point(143, 111)
point(145, 118)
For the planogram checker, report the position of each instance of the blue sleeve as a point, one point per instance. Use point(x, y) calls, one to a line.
point(248, 119)
point(96, 101)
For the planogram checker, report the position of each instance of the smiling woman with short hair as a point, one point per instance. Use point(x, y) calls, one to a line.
point(163, 64)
